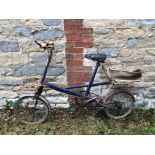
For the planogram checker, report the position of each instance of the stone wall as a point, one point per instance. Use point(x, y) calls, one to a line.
point(22, 61)
point(129, 44)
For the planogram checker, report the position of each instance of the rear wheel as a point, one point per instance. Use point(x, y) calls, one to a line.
point(121, 104)
point(27, 112)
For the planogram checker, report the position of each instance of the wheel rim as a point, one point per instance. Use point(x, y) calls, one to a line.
point(27, 113)
point(122, 104)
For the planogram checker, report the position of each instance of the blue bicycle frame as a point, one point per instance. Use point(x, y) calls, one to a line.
point(67, 90)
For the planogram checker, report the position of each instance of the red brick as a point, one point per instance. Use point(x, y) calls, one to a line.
point(73, 23)
point(88, 69)
point(71, 83)
point(69, 44)
point(74, 62)
point(84, 68)
point(74, 50)
point(79, 31)
point(84, 38)
point(78, 56)
point(72, 56)
point(84, 44)
point(75, 83)
point(79, 68)
point(69, 56)
point(74, 37)
point(69, 31)
point(87, 76)
point(75, 76)
point(77, 38)
point(71, 68)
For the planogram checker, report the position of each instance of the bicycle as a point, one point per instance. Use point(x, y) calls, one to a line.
point(34, 109)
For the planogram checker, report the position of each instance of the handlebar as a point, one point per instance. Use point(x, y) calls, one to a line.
point(45, 45)
point(49, 46)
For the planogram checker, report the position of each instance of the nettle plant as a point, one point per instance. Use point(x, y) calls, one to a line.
point(10, 103)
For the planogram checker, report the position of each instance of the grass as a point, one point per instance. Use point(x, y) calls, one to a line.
point(84, 122)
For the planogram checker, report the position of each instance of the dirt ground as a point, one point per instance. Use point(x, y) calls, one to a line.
point(85, 122)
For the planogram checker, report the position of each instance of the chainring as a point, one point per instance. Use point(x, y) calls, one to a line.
point(80, 101)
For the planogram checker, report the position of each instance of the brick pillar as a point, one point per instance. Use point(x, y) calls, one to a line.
point(77, 38)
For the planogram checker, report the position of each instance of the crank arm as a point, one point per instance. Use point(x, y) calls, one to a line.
point(90, 100)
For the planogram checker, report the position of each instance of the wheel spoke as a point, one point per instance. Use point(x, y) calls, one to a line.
point(28, 112)
point(122, 104)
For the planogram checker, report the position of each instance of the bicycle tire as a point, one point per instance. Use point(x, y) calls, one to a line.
point(111, 98)
point(41, 105)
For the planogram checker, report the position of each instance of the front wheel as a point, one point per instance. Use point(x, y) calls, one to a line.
point(28, 112)
point(122, 103)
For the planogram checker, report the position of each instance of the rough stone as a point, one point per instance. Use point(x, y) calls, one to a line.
point(134, 42)
point(102, 31)
point(111, 53)
point(52, 93)
point(62, 105)
point(54, 71)
point(21, 31)
point(151, 94)
point(131, 42)
point(152, 104)
point(151, 52)
point(11, 59)
point(11, 81)
point(58, 47)
point(148, 21)
point(149, 78)
point(6, 71)
point(58, 100)
point(48, 35)
point(147, 62)
point(51, 22)
point(9, 94)
point(109, 42)
point(9, 46)
point(25, 71)
point(143, 103)
point(30, 79)
point(133, 23)
point(2, 71)
point(39, 58)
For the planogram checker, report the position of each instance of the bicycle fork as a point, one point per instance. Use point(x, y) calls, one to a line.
point(38, 93)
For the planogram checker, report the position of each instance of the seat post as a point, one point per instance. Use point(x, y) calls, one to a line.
point(92, 78)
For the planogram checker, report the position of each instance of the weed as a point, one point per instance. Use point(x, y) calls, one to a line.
point(62, 122)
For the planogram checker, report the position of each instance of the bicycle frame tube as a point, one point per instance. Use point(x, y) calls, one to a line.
point(47, 65)
point(67, 90)
point(92, 78)
point(93, 85)
point(64, 90)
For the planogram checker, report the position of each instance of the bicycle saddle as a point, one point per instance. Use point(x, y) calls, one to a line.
point(96, 57)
